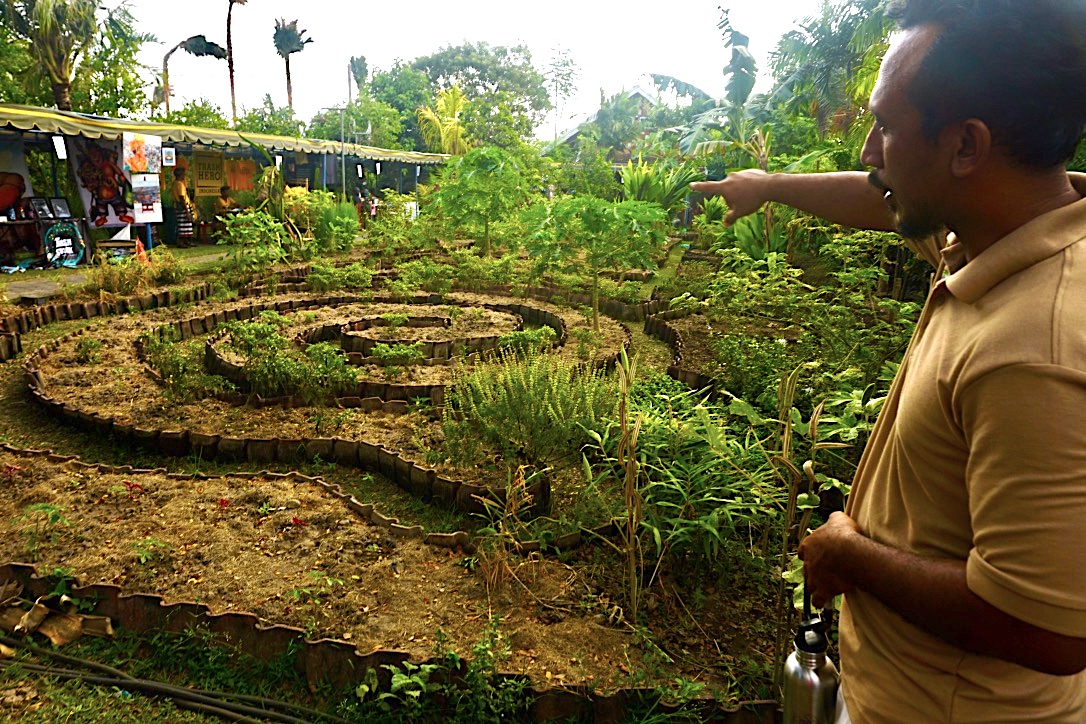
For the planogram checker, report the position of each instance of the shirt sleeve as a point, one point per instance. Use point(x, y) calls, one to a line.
point(1026, 429)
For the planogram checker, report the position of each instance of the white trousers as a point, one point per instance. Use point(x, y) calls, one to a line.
point(842, 710)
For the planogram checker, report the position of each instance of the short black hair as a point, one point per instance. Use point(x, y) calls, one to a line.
point(1017, 65)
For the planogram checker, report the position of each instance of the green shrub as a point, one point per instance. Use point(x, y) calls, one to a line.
point(397, 355)
point(534, 409)
point(258, 241)
point(182, 369)
point(527, 342)
point(88, 350)
point(336, 227)
point(274, 368)
point(325, 277)
point(427, 274)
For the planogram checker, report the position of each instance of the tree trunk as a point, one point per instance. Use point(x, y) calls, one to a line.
point(62, 94)
point(230, 61)
point(596, 301)
point(290, 91)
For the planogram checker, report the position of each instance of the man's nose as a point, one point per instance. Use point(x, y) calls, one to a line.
point(871, 155)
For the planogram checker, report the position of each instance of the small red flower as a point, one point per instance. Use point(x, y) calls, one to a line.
point(224, 503)
point(298, 521)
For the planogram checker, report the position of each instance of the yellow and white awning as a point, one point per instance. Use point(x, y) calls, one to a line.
point(69, 123)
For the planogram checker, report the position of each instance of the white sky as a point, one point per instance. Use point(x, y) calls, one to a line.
point(615, 44)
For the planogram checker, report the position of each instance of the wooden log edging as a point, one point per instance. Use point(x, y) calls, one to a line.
point(14, 326)
point(422, 481)
point(657, 326)
point(325, 661)
point(339, 664)
point(610, 307)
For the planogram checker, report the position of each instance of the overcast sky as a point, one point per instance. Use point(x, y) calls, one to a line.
point(614, 44)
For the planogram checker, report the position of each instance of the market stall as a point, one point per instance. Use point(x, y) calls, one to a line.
point(126, 170)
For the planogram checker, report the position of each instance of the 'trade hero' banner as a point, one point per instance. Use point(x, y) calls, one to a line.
point(207, 175)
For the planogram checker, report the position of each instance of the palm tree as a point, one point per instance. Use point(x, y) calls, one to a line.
point(58, 32)
point(440, 126)
point(288, 40)
point(230, 56)
point(197, 45)
point(827, 65)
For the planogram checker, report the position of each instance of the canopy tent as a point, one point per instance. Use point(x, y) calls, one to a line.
point(69, 123)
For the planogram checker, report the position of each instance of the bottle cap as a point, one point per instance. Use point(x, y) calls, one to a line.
point(811, 637)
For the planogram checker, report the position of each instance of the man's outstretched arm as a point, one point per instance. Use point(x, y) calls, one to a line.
point(840, 197)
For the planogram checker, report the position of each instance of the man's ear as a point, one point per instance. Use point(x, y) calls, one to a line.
point(971, 145)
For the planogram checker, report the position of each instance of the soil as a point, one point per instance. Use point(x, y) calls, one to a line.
point(114, 383)
point(697, 332)
point(292, 553)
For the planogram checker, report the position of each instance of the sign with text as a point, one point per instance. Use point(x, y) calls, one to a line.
point(206, 174)
point(64, 244)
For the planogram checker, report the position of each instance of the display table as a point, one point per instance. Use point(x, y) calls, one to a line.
point(25, 233)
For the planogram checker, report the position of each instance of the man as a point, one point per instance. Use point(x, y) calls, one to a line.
point(224, 205)
point(962, 554)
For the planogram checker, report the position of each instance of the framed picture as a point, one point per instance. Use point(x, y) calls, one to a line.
point(60, 208)
point(41, 207)
point(169, 156)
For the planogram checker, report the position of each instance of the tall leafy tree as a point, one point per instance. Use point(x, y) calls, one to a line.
point(617, 123)
point(359, 72)
point(201, 113)
point(365, 121)
point(288, 41)
point(492, 77)
point(731, 113)
point(19, 83)
point(196, 45)
point(267, 118)
point(561, 74)
point(442, 127)
point(111, 80)
point(482, 186)
point(405, 89)
point(816, 66)
point(58, 33)
point(230, 55)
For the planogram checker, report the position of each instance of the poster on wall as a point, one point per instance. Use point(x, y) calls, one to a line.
point(64, 245)
point(105, 188)
point(14, 178)
point(207, 174)
point(148, 198)
point(142, 153)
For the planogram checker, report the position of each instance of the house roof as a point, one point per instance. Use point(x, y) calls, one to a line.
point(634, 92)
point(50, 120)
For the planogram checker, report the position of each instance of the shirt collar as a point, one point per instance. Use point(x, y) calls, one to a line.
point(1033, 242)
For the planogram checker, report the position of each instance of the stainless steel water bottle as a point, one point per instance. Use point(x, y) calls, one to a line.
point(810, 678)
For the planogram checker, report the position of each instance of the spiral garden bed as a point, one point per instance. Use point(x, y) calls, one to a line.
point(289, 554)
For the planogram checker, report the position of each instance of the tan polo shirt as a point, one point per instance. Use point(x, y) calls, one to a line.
point(980, 455)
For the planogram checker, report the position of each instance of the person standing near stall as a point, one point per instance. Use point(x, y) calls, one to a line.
point(183, 208)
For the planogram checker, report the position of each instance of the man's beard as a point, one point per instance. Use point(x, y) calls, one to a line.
point(911, 225)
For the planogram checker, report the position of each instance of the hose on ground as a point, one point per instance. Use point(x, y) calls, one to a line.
point(224, 704)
